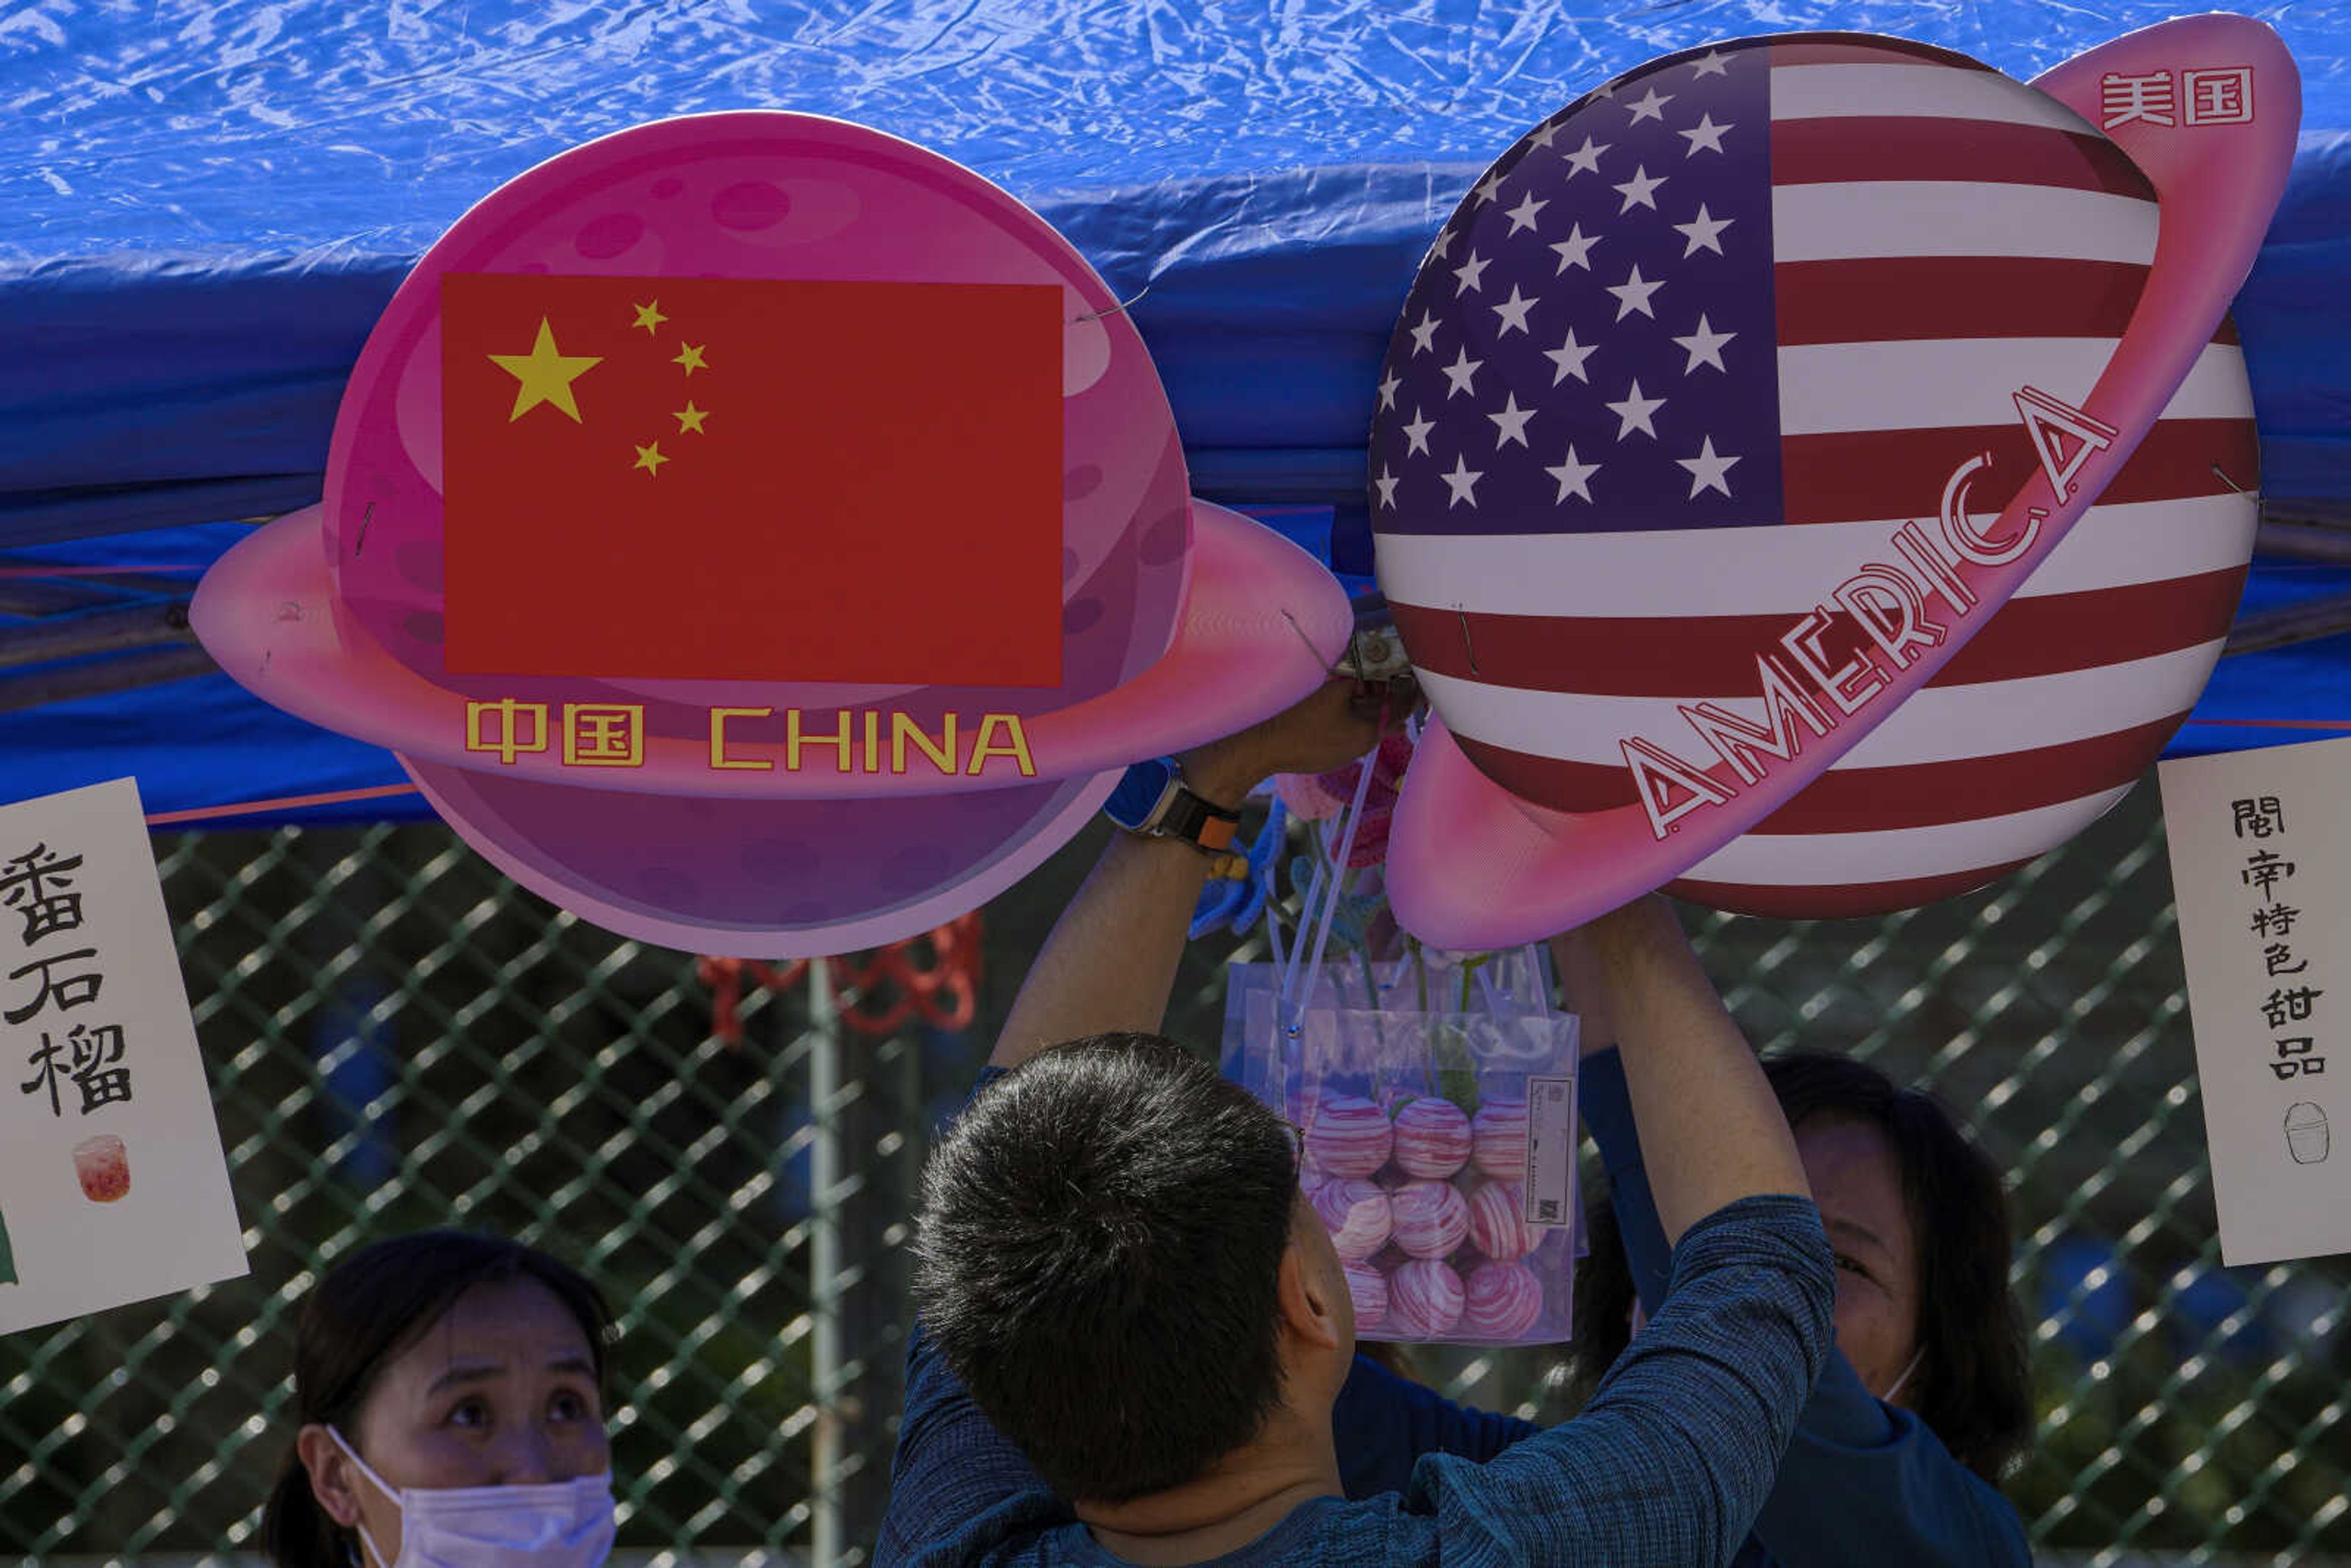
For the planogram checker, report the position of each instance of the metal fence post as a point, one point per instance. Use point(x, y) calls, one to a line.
point(824, 1268)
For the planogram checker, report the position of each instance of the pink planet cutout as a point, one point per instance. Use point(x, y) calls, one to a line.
point(1179, 621)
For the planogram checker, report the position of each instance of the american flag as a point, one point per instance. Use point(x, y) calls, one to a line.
point(1690, 354)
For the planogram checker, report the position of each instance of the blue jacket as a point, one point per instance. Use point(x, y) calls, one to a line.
point(1863, 1483)
point(1664, 1469)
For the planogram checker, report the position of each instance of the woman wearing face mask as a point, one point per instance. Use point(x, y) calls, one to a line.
point(1896, 1456)
point(1898, 1453)
point(448, 1389)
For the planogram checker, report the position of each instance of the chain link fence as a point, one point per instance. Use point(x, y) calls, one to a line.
point(399, 1039)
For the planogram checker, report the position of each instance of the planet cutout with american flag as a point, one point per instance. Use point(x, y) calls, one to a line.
point(1807, 473)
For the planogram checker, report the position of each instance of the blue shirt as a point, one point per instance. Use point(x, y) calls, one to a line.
point(1863, 1483)
point(1665, 1469)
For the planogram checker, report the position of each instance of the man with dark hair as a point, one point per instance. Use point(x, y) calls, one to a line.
point(1131, 1329)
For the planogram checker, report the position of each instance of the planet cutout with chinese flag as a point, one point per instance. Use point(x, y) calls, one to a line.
point(759, 535)
point(1807, 474)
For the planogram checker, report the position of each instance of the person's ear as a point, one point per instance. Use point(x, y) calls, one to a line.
point(1308, 1307)
point(334, 1479)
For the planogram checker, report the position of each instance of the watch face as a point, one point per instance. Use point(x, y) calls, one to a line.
point(1130, 805)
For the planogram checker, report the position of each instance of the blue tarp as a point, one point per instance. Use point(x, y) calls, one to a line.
point(203, 206)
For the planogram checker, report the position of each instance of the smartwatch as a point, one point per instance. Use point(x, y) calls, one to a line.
point(1153, 801)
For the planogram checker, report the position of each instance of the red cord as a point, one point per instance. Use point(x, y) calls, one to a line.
point(881, 991)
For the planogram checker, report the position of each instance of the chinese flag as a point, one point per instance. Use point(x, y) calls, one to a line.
point(732, 479)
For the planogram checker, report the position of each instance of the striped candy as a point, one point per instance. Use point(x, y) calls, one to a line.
point(1368, 1288)
point(1356, 1215)
point(1431, 1138)
point(1498, 1222)
point(1912, 239)
point(1425, 1300)
point(1500, 1300)
point(1499, 1139)
point(1431, 1220)
point(1347, 1135)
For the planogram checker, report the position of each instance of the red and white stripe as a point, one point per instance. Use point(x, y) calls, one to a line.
point(1942, 236)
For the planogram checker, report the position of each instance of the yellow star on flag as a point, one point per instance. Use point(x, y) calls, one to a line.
point(546, 374)
point(690, 356)
point(650, 458)
point(649, 316)
point(690, 418)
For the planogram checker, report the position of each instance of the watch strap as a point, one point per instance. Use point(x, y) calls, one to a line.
point(1176, 812)
point(1196, 821)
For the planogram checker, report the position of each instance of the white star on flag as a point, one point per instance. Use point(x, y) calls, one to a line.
point(1569, 357)
point(1575, 250)
point(1574, 478)
point(1705, 346)
point(1706, 133)
point(1386, 483)
point(1707, 470)
point(1522, 216)
point(1469, 272)
point(1441, 247)
point(1415, 435)
point(1388, 391)
point(1633, 294)
point(1586, 160)
point(1633, 413)
point(1511, 423)
point(1704, 232)
point(1641, 190)
point(1462, 482)
point(1459, 374)
point(1488, 188)
point(1543, 133)
point(1513, 312)
point(1650, 107)
point(1424, 337)
point(1713, 63)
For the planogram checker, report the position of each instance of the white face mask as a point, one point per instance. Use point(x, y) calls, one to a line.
point(1889, 1396)
point(567, 1524)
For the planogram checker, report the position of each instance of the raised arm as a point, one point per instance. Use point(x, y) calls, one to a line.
point(1110, 961)
point(1709, 1126)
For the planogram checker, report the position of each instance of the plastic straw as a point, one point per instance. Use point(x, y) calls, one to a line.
point(1296, 1016)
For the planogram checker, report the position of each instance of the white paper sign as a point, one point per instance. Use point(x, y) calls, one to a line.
point(2261, 866)
point(113, 1187)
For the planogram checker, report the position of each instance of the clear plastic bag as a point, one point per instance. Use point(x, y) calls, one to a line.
point(1438, 1105)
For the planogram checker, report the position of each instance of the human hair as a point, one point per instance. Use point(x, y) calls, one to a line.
point(1099, 1258)
point(1973, 1385)
point(356, 1321)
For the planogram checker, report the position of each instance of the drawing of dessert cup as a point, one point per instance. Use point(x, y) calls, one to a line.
point(103, 1167)
point(2306, 1133)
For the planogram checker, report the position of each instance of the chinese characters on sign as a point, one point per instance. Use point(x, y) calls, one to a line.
point(112, 1179)
point(613, 735)
point(2265, 872)
point(39, 885)
point(2201, 96)
point(2262, 875)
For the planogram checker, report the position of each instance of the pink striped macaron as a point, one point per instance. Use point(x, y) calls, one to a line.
point(1498, 1134)
point(1431, 1138)
point(1356, 1214)
point(1425, 1300)
point(1430, 1218)
point(1347, 1135)
point(1498, 1221)
point(1502, 1300)
point(1368, 1289)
